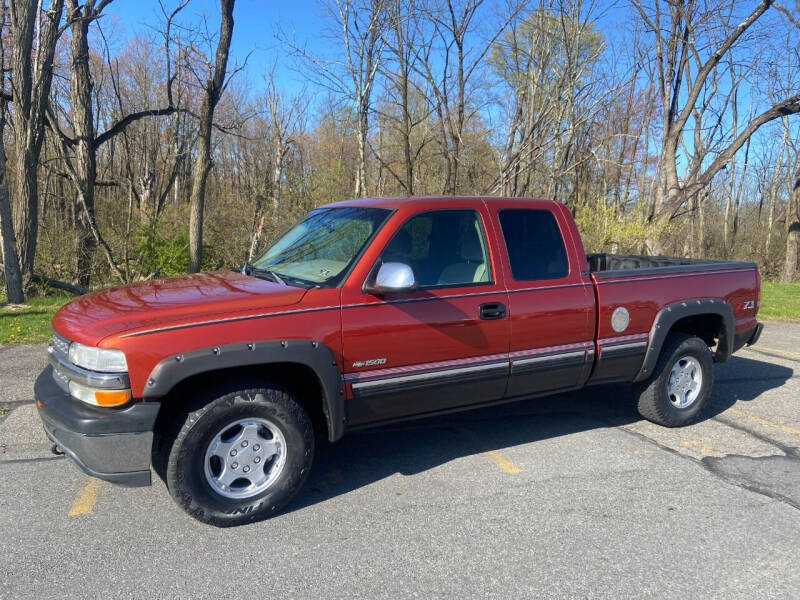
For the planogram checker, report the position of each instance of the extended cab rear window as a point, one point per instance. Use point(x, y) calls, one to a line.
point(535, 247)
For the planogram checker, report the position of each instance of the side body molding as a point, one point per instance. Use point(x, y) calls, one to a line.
point(318, 357)
point(672, 313)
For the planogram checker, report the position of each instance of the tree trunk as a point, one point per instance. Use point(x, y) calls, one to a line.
point(84, 248)
point(82, 122)
point(30, 90)
point(258, 227)
point(792, 247)
point(84, 163)
point(14, 290)
point(407, 154)
point(793, 234)
point(773, 190)
point(202, 165)
point(277, 173)
point(361, 165)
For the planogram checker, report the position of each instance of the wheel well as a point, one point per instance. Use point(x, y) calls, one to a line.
point(708, 327)
point(299, 380)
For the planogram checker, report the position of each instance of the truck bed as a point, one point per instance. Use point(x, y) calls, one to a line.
point(613, 265)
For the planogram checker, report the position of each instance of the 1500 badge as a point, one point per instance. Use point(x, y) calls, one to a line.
point(372, 362)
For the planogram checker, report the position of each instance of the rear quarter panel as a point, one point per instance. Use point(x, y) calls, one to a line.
point(643, 296)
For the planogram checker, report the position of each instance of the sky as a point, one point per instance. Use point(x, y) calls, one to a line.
point(254, 33)
point(256, 23)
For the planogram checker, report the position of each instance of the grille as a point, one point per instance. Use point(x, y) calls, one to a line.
point(60, 344)
point(61, 379)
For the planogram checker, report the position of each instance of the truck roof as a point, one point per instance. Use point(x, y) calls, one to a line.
point(429, 201)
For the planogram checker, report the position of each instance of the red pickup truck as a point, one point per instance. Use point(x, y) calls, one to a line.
point(369, 312)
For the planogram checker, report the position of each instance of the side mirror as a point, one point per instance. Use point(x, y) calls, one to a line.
point(393, 277)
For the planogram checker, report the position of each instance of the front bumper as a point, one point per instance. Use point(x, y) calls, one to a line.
point(111, 444)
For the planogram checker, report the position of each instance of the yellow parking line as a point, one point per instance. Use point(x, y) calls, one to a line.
point(84, 501)
point(496, 456)
point(763, 421)
point(502, 462)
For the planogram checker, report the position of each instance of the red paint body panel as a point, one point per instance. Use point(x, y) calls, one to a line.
point(167, 302)
point(549, 312)
point(644, 296)
point(151, 321)
point(426, 325)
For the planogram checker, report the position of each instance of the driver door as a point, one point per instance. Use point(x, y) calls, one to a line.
point(441, 346)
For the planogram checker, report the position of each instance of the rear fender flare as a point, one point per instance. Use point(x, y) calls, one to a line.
point(672, 313)
point(318, 357)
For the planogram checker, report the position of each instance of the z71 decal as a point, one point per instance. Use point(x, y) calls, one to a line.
point(372, 362)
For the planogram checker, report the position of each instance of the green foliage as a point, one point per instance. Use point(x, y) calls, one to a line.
point(602, 230)
point(780, 301)
point(540, 45)
point(162, 252)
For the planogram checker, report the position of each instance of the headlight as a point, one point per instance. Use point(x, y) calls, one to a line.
point(97, 359)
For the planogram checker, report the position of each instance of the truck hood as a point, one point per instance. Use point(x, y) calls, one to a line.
point(141, 305)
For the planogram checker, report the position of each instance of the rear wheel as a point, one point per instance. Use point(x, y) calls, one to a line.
point(239, 455)
point(681, 383)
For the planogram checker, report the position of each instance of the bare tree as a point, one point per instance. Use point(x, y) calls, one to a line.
point(546, 62)
point(79, 153)
point(406, 112)
point(212, 90)
point(359, 29)
point(683, 75)
point(451, 54)
point(286, 115)
point(792, 256)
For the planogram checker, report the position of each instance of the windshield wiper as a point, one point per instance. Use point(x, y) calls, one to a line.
point(248, 269)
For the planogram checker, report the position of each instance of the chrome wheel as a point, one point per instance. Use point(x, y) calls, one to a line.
point(685, 381)
point(245, 457)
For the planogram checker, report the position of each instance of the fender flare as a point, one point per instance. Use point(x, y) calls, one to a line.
point(672, 313)
point(315, 355)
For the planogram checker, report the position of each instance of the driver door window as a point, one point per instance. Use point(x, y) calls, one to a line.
point(444, 248)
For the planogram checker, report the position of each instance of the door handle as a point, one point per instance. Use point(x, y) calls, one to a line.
point(492, 311)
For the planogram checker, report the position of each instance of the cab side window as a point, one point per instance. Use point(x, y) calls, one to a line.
point(443, 247)
point(534, 243)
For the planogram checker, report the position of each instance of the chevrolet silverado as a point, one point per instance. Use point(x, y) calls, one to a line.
point(365, 313)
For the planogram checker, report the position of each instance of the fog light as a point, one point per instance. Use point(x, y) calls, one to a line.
point(98, 397)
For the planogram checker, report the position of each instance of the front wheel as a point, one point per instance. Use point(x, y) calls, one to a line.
point(240, 455)
point(681, 382)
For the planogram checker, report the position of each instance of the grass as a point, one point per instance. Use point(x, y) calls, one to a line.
point(780, 301)
point(29, 323)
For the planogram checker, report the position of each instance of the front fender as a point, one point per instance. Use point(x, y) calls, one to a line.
point(318, 357)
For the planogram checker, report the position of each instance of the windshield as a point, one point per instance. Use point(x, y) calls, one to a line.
point(321, 247)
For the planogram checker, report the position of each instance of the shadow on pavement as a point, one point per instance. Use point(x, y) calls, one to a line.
point(360, 459)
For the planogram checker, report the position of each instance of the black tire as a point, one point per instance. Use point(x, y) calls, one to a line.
point(653, 401)
point(193, 430)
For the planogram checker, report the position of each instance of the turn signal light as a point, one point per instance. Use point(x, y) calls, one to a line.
point(112, 397)
point(99, 397)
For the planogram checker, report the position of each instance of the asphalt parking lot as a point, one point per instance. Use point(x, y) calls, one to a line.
point(568, 496)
